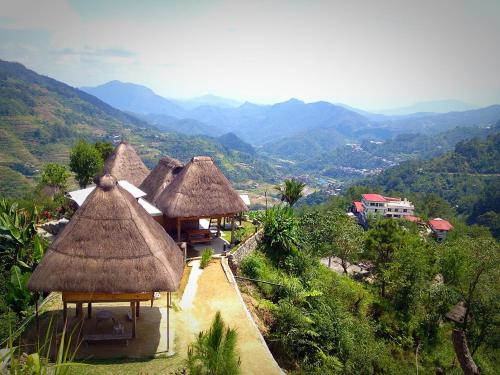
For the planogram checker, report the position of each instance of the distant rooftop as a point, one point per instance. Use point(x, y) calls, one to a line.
point(440, 224)
point(373, 197)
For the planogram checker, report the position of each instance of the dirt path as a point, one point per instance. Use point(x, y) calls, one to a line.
point(208, 292)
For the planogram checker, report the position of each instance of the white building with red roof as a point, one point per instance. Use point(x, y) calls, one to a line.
point(376, 204)
point(440, 227)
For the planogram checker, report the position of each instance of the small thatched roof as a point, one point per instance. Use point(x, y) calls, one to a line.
point(111, 245)
point(457, 313)
point(161, 176)
point(200, 190)
point(125, 164)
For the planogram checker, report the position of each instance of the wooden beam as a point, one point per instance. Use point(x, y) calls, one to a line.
point(37, 317)
point(218, 227)
point(138, 307)
point(232, 230)
point(76, 297)
point(89, 310)
point(133, 312)
point(79, 310)
point(178, 230)
point(168, 322)
point(65, 312)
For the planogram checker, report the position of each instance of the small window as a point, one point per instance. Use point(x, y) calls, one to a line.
point(389, 209)
point(405, 210)
point(396, 210)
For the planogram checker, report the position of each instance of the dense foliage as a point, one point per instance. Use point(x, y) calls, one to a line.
point(21, 248)
point(214, 351)
point(319, 321)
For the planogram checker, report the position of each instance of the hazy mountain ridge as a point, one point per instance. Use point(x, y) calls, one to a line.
point(134, 98)
point(41, 118)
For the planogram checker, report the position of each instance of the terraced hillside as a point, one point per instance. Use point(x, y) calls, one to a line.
point(41, 118)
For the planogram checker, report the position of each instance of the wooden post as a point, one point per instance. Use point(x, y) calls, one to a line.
point(89, 310)
point(218, 227)
point(138, 307)
point(232, 229)
point(178, 230)
point(37, 318)
point(133, 311)
point(168, 323)
point(79, 310)
point(65, 312)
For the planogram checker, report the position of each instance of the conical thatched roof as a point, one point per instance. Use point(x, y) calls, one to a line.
point(125, 164)
point(200, 190)
point(111, 245)
point(161, 176)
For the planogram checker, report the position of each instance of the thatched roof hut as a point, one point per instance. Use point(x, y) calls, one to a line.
point(125, 164)
point(111, 245)
point(200, 190)
point(161, 176)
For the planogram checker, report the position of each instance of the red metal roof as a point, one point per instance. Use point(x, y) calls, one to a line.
point(440, 224)
point(373, 197)
point(358, 206)
point(413, 219)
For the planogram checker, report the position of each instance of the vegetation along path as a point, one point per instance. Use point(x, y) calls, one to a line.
point(213, 292)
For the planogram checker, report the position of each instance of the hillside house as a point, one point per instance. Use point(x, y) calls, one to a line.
point(440, 228)
point(376, 204)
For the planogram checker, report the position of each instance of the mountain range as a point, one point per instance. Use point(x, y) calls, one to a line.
point(41, 119)
point(283, 126)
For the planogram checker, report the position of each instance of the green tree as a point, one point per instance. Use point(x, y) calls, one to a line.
point(85, 161)
point(382, 240)
point(104, 148)
point(55, 175)
point(214, 352)
point(348, 240)
point(471, 266)
point(291, 191)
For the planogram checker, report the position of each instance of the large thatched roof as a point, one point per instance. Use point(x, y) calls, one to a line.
point(125, 164)
point(161, 176)
point(200, 190)
point(111, 245)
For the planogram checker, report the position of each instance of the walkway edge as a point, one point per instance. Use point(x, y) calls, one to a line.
point(250, 317)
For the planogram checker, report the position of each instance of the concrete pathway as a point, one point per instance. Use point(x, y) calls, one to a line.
point(210, 291)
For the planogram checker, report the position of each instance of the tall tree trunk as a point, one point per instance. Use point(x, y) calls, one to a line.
point(467, 363)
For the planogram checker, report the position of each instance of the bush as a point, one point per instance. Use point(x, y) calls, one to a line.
point(214, 352)
point(206, 257)
point(253, 266)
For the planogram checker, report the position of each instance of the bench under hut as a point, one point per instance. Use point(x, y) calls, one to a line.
point(112, 250)
point(200, 191)
point(125, 164)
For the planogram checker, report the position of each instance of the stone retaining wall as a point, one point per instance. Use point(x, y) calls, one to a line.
point(244, 250)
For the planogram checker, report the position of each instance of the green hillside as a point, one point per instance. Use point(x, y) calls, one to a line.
point(468, 178)
point(41, 118)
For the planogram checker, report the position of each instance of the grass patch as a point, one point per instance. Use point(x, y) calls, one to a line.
point(126, 366)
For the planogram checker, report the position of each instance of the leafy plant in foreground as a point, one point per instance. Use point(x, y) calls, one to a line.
point(214, 351)
point(206, 257)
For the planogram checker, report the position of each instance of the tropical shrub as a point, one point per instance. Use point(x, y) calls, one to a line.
point(206, 257)
point(281, 233)
point(214, 352)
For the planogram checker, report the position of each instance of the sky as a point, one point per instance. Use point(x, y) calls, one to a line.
point(368, 54)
